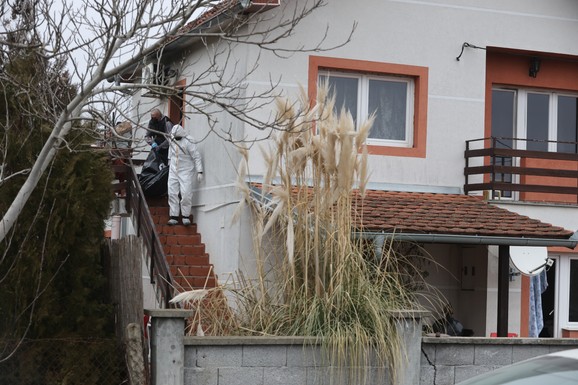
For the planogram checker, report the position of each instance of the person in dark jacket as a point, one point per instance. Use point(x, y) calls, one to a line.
point(158, 129)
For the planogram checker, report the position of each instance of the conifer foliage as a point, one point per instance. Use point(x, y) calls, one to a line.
point(52, 283)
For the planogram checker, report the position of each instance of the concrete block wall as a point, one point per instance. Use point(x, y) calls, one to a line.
point(447, 361)
point(259, 361)
point(180, 360)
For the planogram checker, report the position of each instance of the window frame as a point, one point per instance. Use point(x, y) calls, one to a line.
point(521, 123)
point(418, 115)
point(363, 112)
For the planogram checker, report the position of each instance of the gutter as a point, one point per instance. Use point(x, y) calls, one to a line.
point(472, 239)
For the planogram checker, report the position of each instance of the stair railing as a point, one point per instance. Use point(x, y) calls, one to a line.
point(137, 208)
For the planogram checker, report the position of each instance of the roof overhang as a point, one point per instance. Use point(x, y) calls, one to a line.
point(446, 218)
point(210, 21)
point(475, 239)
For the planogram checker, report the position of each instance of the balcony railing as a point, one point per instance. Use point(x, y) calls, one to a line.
point(498, 169)
point(137, 207)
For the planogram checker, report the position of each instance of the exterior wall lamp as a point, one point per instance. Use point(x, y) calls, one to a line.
point(534, 66)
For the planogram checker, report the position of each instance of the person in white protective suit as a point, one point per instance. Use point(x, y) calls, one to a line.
point(184, 160)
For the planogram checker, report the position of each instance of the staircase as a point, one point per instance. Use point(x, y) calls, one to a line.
point(184, 250)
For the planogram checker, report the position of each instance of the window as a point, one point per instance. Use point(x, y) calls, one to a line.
point(548, 120)
point(540, 120)
point(395, 93)
point(503, 126)
point(389, 99)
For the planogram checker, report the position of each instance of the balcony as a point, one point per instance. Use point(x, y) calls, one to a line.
point(517, 169)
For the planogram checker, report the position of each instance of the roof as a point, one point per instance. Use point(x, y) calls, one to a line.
point(429, 213)
point(246, 6)
point(448, 218)
point(212, 17)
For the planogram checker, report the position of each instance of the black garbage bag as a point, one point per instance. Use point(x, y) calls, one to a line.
point(154, 162)
point(154, 176)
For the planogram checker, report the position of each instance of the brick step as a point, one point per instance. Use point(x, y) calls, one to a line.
point(188, 260)
point(163, 228)
point(192, 271)
point(189, 283)
point(158, 204)
point(197, 250)
point(159, 210)
point(161, 220)
point(184, 249)
point(183, 240)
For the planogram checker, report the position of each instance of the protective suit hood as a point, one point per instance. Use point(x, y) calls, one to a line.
point(178, 131)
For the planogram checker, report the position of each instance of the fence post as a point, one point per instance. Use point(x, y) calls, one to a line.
point(167, 345)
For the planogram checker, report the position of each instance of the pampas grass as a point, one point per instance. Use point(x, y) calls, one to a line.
point(316, 279)
point(313, 276)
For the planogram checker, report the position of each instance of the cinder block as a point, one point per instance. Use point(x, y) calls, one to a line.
point(454, 355)
point(523, 352)
point(378, 376)
point(559, 348)
point(428, 354)
point(426, 375)
point(335, 375)
point(462, 373)
point(317, 376)
point(190, 357)
point(497, 355)
point(444, 375)
point(201, 376)
point(285, 376)
point(304, 356)
point(219, 356)
point(240, 376)
point(268, 356)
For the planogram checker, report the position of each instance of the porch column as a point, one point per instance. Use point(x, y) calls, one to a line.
point(503, 289)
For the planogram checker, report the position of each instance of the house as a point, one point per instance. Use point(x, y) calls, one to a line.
point(475, 134)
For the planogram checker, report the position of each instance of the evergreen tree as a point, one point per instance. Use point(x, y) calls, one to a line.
point(52, 283)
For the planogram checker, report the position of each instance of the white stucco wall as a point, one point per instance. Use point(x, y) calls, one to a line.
point(430, 34)
point(427, 33)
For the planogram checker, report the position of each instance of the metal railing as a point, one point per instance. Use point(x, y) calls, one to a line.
point(137, 208)
point(503, 170)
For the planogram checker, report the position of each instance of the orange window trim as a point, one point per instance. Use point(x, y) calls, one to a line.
point(420, 78)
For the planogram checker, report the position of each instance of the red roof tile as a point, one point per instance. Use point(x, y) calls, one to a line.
point(429, 213)
point(448, 214)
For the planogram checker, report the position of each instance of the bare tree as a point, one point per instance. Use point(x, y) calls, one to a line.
point(106, 43)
